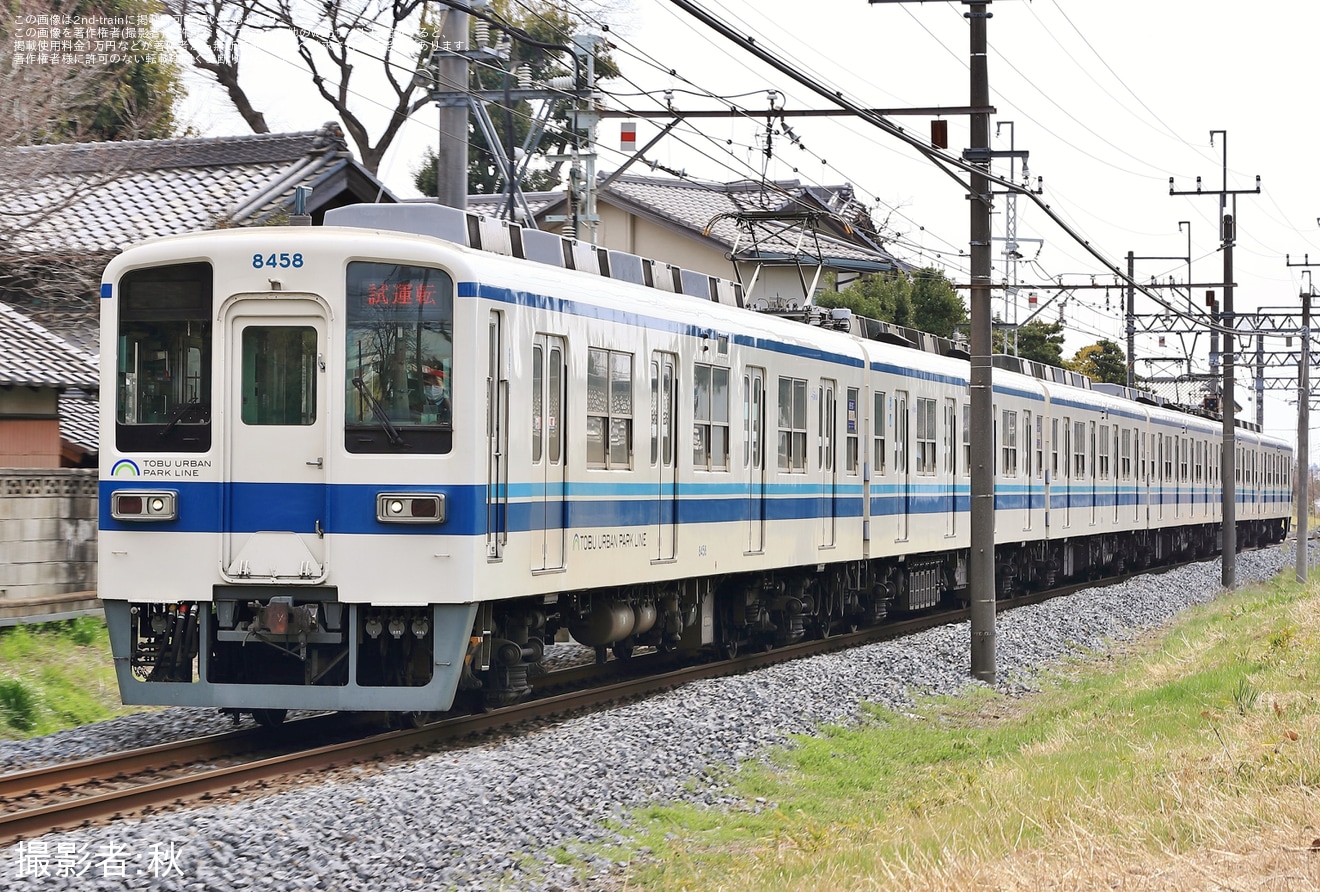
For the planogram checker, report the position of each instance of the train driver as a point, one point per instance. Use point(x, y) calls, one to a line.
point(435, 396)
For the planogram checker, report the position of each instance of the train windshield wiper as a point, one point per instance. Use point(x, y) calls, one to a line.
point(182, 411)
point(378, 412)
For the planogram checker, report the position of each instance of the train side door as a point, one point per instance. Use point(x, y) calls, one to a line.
point(825, 417)
point(901, 467)
point(497, 443)
point(754, 383)
point(1067, 472)
point(548, 458)
point(951, 466)
point(664, 451)
point(274, 505)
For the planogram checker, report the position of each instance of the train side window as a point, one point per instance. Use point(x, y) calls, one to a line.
point(879, 420)
point(1125, 454)
point(1079, 450)
point(853, 408)
point(1054, 448)
point(926, 436)
point(1040, 446)
point(1067, 448)
point(792, 425)
point(1104, 452)
point(1009, 447)
point(163, 359)
point(279, 375)
point(609, 409)
point(538, 406)
point(710, 441)
point(967, 439)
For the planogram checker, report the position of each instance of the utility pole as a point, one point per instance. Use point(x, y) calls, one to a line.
point(1303, 499)
point(451, 76)
point(981, 579)
point(1228, 459)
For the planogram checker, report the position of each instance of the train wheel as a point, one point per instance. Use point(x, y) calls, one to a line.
point(729, 648)
point(269, 718)
point(623, 650)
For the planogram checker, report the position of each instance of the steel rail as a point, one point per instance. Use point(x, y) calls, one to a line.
point(207, 784)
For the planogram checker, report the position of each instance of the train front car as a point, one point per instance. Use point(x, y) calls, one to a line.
point(279, 512)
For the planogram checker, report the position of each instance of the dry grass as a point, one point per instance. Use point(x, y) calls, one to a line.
point(1190, 762)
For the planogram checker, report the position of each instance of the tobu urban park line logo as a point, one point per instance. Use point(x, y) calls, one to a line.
point(125, 468)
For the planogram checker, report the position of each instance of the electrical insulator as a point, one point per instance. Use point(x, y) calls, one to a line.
point(483, 33)
point(524, 77)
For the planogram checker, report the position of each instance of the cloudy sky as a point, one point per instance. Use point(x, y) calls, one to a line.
point(1110, 99)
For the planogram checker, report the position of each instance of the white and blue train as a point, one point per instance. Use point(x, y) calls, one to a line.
point(372, 464)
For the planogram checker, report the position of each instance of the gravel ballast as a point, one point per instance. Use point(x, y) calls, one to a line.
point(494, 816)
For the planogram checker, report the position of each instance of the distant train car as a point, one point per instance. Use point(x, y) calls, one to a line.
point(374, 464)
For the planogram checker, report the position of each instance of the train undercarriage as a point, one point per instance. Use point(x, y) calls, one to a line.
point(262, 654)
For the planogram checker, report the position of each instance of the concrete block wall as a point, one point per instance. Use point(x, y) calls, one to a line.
point(47, 532)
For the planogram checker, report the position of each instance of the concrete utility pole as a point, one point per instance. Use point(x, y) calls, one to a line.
point(1228, 460)
point(451, 76)
point(1303, 499)
point(981, 579)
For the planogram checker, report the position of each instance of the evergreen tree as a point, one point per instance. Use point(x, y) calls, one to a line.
point(927, 301)
point(1102, 362)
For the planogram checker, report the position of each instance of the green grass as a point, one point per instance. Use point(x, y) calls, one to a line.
point(1191, 741)
point(55, 676)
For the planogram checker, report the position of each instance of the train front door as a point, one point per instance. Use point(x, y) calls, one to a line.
point(274, 505)
point(548, 459)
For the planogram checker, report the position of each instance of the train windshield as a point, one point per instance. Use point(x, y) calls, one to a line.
point(163, 360)
point(398, 380)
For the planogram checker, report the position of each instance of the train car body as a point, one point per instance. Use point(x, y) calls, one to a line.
point(364, 466)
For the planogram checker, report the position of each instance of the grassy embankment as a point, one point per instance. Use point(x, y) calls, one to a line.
point(56, 675)
point(1189, 760)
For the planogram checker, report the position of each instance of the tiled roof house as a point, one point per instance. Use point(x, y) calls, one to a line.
point(71, 208)
point(74, 206)
point(743, 230)
point(39, 373)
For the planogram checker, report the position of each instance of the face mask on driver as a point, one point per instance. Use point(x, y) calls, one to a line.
point(433, 392)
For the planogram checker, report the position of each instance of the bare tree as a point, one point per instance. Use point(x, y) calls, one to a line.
point(335, 39)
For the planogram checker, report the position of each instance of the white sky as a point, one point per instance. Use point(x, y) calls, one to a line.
point(1111, 99)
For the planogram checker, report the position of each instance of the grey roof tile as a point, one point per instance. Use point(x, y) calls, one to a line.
point(101, 197)
point(34, 357)
point(80, 419)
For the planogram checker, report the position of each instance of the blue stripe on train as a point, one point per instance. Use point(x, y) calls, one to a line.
point(351, 508)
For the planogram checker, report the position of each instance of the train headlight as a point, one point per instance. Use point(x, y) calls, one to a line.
point(144, 505)
point(410, 507)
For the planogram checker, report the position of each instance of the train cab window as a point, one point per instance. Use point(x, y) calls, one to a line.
point(1104, 452)
point(1125, 454)
point(609, 409)
point(163, 359)
point(399, 352)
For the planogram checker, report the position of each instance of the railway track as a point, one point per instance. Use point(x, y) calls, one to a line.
point(66, 796)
